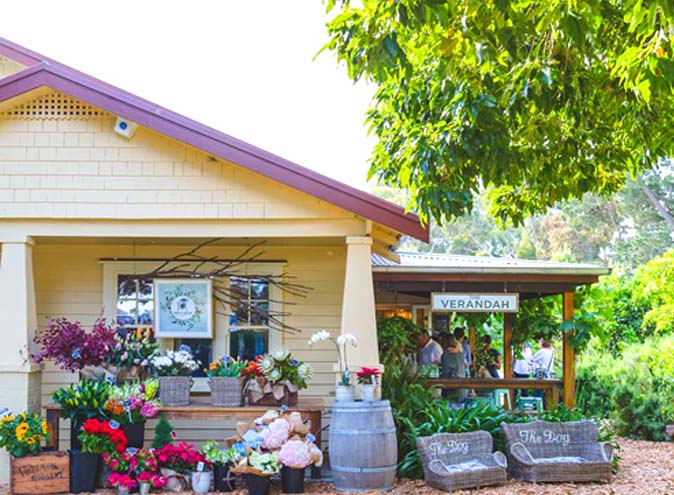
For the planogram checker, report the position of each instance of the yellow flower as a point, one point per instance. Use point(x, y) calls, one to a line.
point(7, 419)
point(44, 428)
point(21, 431)
point(31, 440)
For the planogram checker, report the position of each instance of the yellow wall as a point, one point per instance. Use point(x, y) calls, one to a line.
point(74, 167)
point(9, 67)
point(69, 282)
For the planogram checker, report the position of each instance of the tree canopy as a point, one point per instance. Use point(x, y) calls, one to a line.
point(534, 102)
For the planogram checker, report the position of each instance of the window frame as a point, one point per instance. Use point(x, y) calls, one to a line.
point(221, 329)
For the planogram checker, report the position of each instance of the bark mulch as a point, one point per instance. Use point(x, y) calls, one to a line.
point(646, 468)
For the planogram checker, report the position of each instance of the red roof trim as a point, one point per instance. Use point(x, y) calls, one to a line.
point(114, 100)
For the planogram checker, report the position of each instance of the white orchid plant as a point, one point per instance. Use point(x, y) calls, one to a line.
point(341, 343)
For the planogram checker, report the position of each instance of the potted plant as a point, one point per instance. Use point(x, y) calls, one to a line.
point(276, 379)
point(79, 402)
point(132, 404)
point(148, 479)
point(260, 468)
point(295, 455)
point(132, 353)
point(140, 465)
point(221, 460)
point(174, 370)
point(345, 391)
point(176, 462)
point(227, 380)
point(369, 386)
point(68, 345)
point(97, 438)
point(123, 482)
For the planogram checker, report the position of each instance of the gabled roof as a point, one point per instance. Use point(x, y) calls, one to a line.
point(42, 71)
point(455, 263)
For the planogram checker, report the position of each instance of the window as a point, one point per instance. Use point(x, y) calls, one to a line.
point(135, 303)
point(248, 321)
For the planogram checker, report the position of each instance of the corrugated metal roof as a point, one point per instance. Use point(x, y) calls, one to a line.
point(455, 263)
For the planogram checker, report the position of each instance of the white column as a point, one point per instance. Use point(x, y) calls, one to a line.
point(358, 309)
point(20, 378)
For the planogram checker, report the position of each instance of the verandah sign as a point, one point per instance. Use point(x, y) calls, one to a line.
point(475, 302)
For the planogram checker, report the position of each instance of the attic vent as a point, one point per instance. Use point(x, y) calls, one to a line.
point(53, 106)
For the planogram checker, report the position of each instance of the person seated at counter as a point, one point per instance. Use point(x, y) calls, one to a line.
point(453, 365)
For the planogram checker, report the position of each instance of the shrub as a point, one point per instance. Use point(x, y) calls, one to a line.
point(394, 336)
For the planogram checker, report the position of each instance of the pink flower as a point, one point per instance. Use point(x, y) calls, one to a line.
point(149, 410)
point(295, 454)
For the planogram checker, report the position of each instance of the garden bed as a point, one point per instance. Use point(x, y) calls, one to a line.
point(646, 468)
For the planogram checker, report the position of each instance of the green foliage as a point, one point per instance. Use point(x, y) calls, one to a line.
point(655, 286)
point(163, 433)
point(538, 101)
point(83, 400)
point(394, 337)
point(635, 389)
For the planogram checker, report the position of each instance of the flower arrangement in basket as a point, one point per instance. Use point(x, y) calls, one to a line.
point(175, 370)
point(227, 379)
point(276, 378)
point(132, 354)
point(368, 379)
point(21, 435)
point(68, 345)
point(345, 391)
point(276, 441)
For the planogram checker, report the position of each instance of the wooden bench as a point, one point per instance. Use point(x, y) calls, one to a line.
point(201, 409)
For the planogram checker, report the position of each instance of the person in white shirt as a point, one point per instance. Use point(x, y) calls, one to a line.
point(523, 365)
point(430, 352)
point(544, 360)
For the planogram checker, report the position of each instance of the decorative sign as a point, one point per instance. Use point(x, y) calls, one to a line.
point(454, 302)
point(183, 308)
point(44, 473)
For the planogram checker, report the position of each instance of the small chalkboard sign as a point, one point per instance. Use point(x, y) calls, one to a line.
point(41, 474)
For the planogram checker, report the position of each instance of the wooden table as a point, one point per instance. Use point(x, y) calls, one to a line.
point(550, 387)
point(201, 408)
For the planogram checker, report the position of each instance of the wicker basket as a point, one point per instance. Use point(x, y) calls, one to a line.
point(175, 390)
point(227, 391)
point(289, 399)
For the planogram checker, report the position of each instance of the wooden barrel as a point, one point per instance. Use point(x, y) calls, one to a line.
point(363, 446)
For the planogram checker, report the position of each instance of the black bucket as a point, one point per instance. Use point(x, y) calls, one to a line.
point(135, 434)
point(75, 430)
point(83, 471)
point(292, 480)
point(223, 480)
point(257, 485)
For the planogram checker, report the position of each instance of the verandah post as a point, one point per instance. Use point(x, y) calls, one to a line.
point(568, 354)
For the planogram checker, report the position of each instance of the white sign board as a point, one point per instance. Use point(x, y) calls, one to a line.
point(453, 302)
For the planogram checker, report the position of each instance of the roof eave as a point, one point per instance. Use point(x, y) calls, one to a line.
point(598, 272)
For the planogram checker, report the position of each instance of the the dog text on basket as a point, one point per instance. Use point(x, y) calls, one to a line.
point(444, 448)
point(548, 436)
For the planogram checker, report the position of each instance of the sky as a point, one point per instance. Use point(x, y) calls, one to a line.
point(244, 67)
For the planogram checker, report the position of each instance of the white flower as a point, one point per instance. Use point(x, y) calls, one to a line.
point(267, 363)
point(304, 371)
point(347, 338)
point(275, 375)
point(281, 355)
point(319, 337)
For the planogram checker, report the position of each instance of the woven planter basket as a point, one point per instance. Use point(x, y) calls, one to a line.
point(175, 390)
point(289, 399)
point(227, 391)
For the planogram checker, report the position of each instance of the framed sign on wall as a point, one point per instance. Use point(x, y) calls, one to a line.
point(183, 308)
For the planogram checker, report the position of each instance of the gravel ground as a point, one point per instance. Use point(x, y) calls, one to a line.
point(645, 468)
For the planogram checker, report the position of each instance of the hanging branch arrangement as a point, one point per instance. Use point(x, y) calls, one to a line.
point(193, 264)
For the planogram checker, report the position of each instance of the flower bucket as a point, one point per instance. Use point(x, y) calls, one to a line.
point(227, 391)
point(370, 393)
point(75, 430)
point(175, 390)
point(292, 480)
point(135, 434)
point(257, 485)
point(144, 488)
point(201, 481)
point(175, 482)
point(102, 476)
point(83, 470)
point(122, 490)
point(223, 480)
point(345, 393)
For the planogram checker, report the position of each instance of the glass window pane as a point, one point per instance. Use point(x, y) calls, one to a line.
point(259, 313)
point(126, 312)
point(126, 286)
point(202, 350)
point(259, 289)
point(238, 288)
point(146, 312)
point(241, 314)
point(248, 344)
point(145, 288)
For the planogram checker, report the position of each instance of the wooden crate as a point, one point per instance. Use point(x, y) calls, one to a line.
point(41, 474)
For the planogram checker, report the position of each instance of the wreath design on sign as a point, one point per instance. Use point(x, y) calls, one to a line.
point(185, 306)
